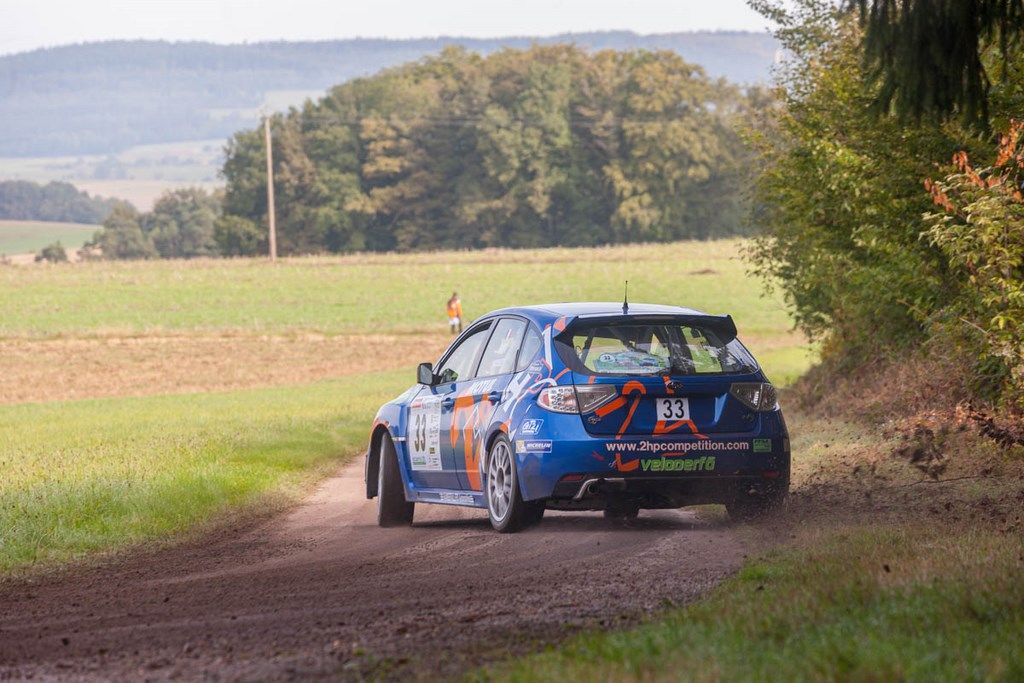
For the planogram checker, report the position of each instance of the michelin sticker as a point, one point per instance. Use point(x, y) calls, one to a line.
point(531, 427)
point(424, 438)
point(533, 446)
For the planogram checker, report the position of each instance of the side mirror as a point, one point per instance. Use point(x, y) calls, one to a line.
point(425, 374)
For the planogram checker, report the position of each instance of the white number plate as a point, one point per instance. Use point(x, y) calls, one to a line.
point(673, 409)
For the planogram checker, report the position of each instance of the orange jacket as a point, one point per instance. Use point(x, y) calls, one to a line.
point(455, 309)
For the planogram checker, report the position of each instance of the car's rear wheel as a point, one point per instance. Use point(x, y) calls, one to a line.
point(622, 512)
point(392, 507)
point(751, 505)
point(506, 508)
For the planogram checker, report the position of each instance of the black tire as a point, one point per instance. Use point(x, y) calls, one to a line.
point(622, 512)
point(534, 513)
point(506, 508)
point(747, 506)
point(392, 507)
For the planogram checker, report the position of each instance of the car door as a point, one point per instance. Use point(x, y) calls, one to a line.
point(432, 462)
point(476, 399)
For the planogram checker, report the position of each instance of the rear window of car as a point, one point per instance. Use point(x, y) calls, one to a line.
point(652, 349)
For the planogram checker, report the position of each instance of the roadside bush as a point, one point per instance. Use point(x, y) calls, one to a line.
point(980, 231)
point(870, 267)
point(840, 198)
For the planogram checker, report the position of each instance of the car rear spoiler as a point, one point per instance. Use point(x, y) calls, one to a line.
point(722, 325)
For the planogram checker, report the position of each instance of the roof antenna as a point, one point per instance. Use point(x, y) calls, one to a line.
point(625, 300)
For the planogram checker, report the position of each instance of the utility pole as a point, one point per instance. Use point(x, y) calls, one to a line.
point(270, 190)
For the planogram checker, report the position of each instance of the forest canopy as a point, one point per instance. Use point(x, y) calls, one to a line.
point(522, 148)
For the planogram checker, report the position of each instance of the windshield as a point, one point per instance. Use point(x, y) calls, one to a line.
point(645, 349)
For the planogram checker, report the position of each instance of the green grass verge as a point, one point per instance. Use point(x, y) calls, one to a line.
point(85, 476)
point(22, 237)
point(872, 604)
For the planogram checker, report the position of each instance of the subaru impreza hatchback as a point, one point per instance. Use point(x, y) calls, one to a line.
point(583, 406)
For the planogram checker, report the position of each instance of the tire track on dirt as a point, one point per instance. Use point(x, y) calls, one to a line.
point(321, 591)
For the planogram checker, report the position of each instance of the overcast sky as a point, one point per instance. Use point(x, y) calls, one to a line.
point(28, 24)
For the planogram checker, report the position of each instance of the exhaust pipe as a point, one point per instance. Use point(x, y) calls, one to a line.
point(592, 487)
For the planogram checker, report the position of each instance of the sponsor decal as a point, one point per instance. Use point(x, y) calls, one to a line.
point(481, 387)
point(675, 447)
point(533, 446)
point(705, 463)
point(456, 498)
point(424, 434)
point(762, 445)
point(531, 427)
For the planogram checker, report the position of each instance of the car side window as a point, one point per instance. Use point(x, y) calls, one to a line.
point(531, 346)
point(459, 364)
point(500, 355)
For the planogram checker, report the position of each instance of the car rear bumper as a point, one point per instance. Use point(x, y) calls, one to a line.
point(563, 462)
point(595, 492)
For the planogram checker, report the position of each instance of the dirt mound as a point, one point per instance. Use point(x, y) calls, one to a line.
point(897, 439)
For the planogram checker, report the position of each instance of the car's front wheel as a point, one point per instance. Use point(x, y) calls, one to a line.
point(392, 507)
point(506, 508)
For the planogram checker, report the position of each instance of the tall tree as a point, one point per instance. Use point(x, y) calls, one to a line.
point(122, 236)
point(927, 57)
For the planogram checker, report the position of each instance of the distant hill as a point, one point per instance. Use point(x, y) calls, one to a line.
point(102, 98)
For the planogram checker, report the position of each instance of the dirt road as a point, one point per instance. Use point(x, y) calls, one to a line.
point(322, 592)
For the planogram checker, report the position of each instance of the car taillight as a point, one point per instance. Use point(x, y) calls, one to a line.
point(759, 396)
point(559, 400)
point(581, 399)
point(591, 396)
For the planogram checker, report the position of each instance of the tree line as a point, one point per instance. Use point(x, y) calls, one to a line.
point(182, 224)
point(55, 201)
point(542, 147)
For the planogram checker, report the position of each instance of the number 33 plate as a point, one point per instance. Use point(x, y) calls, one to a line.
point(673, 409)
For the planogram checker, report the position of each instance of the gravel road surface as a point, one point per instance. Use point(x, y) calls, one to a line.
point(321, 592)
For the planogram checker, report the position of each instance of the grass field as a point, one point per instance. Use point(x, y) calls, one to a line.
point(229, 381)
point(86, 476)
point(364, 293)
point(370, 294)
point(20, 237)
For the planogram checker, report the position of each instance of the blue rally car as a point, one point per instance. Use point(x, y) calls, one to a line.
point(583, 406)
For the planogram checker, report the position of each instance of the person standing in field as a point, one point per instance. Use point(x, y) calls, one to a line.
point(455, 312)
